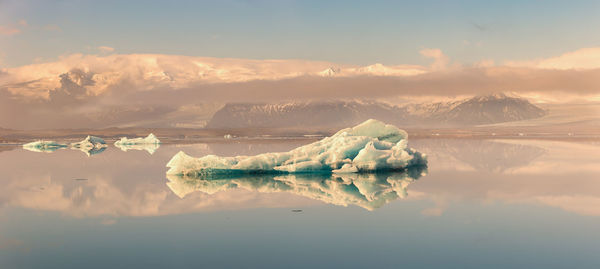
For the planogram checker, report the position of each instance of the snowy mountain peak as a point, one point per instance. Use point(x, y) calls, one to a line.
point(330, 72)
point(496, 96)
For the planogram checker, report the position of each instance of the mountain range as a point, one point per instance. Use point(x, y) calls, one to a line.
point(478, 110)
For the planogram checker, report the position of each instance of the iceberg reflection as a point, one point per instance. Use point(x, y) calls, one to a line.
point(91, 151)
point(91, 145)
point(367, 190)
point(45, 146)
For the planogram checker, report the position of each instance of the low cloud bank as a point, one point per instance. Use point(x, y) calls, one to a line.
point(116, 90)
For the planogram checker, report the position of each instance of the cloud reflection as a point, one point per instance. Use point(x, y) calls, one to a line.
point(512, 172)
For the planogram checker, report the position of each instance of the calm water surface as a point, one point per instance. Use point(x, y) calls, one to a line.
point(479, 204)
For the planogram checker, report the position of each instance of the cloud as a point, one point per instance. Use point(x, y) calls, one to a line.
point(144, 72)
point(12, 29)
point(73, 87)
point(8, 30)
point(586, 58)
point(440, 61)
point(106, 49)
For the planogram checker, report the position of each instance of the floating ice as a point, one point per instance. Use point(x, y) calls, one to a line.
point(371, 146)
point(90, 145)
point(369, 191)
point(89, 142)
point(150, 143)
point(43, 146)
point(150, 139)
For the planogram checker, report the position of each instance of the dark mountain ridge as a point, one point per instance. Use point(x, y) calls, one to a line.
point(488, 109)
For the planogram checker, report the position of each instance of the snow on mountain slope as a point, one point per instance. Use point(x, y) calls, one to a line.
point(473, 111)
point(493, 109)
point(330, 113)
point(486, 109)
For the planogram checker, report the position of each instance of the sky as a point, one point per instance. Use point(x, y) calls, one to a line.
point(121, 61)
point(350, 32)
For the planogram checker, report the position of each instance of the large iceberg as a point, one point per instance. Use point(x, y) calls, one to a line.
point(369, 191)
point(43, 146)
point(149, 143)
point(90, 145)
point(371, 146)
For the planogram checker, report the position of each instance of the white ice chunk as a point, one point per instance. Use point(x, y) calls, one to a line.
point(90, 145)
point(150, 139)
point(43, 146)
point(346, 168)
point(89, 142)
point(149, 143)
point(368, 147)
point(377, 129)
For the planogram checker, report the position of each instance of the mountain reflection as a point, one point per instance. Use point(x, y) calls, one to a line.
point(369, 191)
point(493, 156)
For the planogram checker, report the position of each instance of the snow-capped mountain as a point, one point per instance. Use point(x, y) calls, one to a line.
point(330, 72)
point(493, 108)
point(325, 113)
point(478, 110)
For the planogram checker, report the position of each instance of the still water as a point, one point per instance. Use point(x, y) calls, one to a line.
point(479, 204)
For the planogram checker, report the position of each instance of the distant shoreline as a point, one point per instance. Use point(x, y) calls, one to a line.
point(187, 136)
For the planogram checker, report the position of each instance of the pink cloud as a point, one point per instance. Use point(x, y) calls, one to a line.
point(8, 30)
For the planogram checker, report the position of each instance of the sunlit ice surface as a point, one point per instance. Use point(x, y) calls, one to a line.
point(369, 147)
point(533, 201)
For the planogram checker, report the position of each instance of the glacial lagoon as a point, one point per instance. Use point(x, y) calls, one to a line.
point(513, 203)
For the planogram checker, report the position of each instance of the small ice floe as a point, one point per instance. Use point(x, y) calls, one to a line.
point(150, 139)
point(149, 143)
point(90, 145)
point(46, 146)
